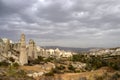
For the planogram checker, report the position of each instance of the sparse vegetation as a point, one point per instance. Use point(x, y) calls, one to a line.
point(106, 76)
point(49, 59)
point(59, 69)
point(16, 65)
point(13, 73)
point(4, 64)
point(71, 68)
point(96, 62)
point(35, 61)
point(51, 73)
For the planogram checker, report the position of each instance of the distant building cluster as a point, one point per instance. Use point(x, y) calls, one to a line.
point(22, 52)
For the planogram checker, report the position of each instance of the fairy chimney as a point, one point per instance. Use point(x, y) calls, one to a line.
point(23, 54)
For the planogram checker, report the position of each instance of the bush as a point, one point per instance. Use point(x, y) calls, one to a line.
point(21, 73)
point(115, 76)
point(35, 61)
point(4, 63)
point(32, 62)
point(16, 65)
point(61, 67)
point(51, 73)
point(114, 65)
point(71, 68)
point(49, 59)
point(40, 58)
point(78, 57)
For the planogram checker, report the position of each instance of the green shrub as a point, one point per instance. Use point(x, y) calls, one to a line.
point(49, 59)
point(4, 63)
point(21, 73)
point(71, 68)
point(115, 76)
point(61, 67)
point(51, 73)
point(32, 62)
point(16, 65)
point(40, 58)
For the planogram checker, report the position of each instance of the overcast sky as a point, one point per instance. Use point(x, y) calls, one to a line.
point(72, 23)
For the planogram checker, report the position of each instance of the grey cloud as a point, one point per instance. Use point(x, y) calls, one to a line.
point(78, 23)
point(12, 7)
point(10, 34)
point(53, 12)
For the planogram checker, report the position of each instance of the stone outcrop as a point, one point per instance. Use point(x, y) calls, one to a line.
point(22, 52)
point(4, 49)
point(7, 46)
point(23, 59)
point(109, 51)
point(32, 50)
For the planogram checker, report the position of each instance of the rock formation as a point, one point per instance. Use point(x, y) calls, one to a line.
point(7, 46)
point(32, 50)
point(23, 54)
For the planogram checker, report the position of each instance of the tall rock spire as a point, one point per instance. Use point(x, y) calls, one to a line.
point(32, 53)
point(7, 46)
point(23, 54)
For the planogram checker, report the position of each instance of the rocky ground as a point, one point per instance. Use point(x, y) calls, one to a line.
point(11, 73)
point(101, 74)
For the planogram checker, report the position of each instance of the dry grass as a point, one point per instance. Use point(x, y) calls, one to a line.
point(87, 75)
point(36, 68)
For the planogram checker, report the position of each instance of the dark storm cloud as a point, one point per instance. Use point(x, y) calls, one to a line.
point(78, 23)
